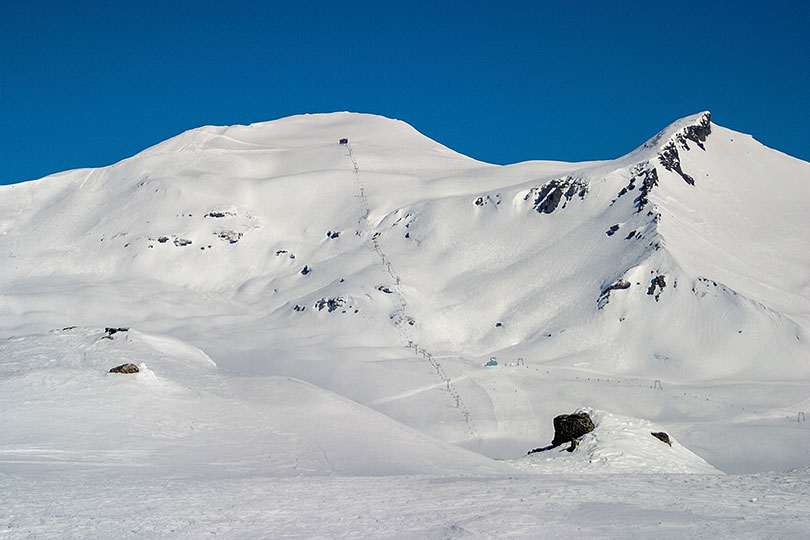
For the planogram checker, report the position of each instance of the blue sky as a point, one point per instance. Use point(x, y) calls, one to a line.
point(85, 84)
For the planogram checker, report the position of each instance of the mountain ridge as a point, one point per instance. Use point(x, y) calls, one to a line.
point(391, 264)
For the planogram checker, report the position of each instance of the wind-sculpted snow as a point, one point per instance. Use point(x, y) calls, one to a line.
point(298, 305)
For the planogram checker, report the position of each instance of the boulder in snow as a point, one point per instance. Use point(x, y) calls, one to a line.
point(661, 436)
point(568, 427)
point(125, 368)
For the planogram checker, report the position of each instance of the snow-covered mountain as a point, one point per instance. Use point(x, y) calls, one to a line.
point(377, 277)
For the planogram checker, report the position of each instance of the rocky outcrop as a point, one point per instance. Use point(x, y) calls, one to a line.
point(671, 161)
point(109, 332)
point(647, 176)
point(604, 296)
point(216, 214)
point(661, 436)
point(231, 237)
point(658, 282)
point(125, 368)
point(568, 427)
point(330, 304)
point(548, 196)
point(483, 200)
point(697, 133)
point(669, 156)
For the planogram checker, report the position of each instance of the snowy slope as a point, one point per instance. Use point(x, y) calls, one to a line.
point(179, 415)
point(376, 278)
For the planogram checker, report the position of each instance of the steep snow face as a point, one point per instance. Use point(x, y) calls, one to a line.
point(389, 269)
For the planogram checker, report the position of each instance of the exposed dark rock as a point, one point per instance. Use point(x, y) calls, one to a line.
point(697, 133)
point(658, 281)
point(125, 368)
point(574, 444)
point(163, 239)
point(229, 236)
point(399, 318)
point(219, 214)
point(604, 296)
point(331, 304)
point(548, 196)
point(481, 201)
point(384, 289)
point(612, 230)
point(648, 177)
point(68, 328)
point(568, 427)
point(630, 236)
point(111, 331)
point(332, 234)
point(180, 242)
point(299, 307)
point(498, 325)
point(661, 436)
point(305, 270)
point(671, 161)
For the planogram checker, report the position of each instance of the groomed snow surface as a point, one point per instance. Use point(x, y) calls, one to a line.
point(311, 321)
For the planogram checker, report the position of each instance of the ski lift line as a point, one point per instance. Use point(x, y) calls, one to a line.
point(400, 318)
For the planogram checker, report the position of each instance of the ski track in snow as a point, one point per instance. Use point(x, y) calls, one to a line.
point(400, 316)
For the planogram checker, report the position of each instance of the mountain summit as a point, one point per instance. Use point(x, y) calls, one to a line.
point(352, 252)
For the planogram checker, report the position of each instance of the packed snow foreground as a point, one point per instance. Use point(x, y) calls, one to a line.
point(364, 337)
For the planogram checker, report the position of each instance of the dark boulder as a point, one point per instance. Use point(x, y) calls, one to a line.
point(125, 368)
point(568, 427)
point(111, 331)
point(108, 332)
point(661, 436)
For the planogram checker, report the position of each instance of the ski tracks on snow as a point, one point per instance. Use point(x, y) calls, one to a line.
point(402, 321)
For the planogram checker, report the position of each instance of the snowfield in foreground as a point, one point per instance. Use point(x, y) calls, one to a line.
point(364, 340)
point(124, 503)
